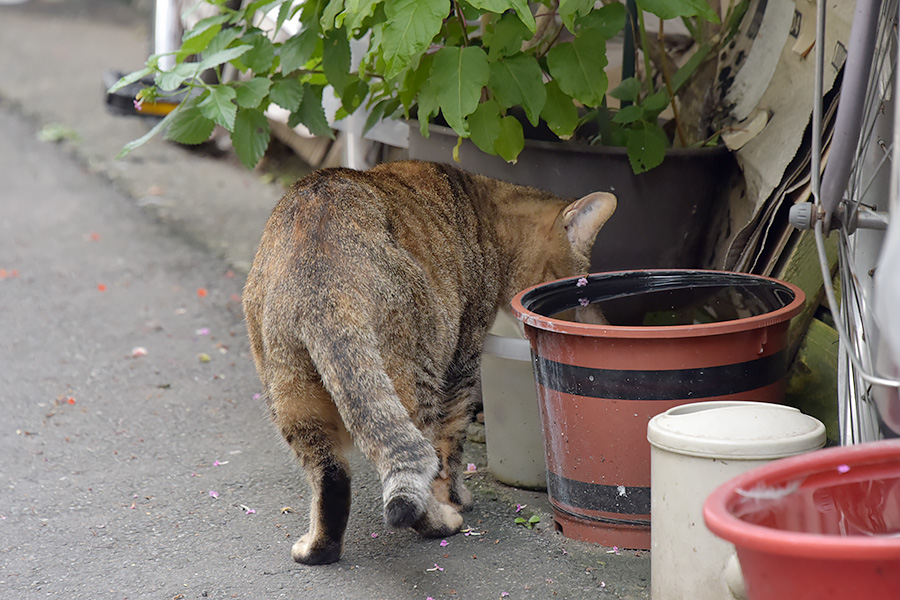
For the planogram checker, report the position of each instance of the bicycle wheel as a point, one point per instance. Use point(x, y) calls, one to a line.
point(854, 198)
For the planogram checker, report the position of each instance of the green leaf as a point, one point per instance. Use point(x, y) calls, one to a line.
point(559, 111)
point(354, 93)
point(197, 40)
point(427, 106)
point(358, 11)
point(215, 59)
point(378, 111)
point(578, 67)
point(336, 59)
point(283, 12)
point(672, 9)
point(484, 126)
point(134, 144)
point(329, 15)
point(251, 93)
point(287, 93)
point(507, 37)
point(518, 80)
point(129, 79)
point(510, 140)
point(256, 5)
point(646, 146)
point(222, 40)
point(189, 126)
point(629, 90)
point(501, 6)
point(260, 58)
point(297, 50)
point(569, 10)
point(414, 80)
point(172, 79)
point(250, 136)
point(458, 75)
point(219, 106)
point(628, 114)
point(655, 104)
point(607, 21)
point(311, 114)
point(408, 31)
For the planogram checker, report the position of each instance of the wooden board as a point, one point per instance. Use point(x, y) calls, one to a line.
point(812, 379)
point(801, 267)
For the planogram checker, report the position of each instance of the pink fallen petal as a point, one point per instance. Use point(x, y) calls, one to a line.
point(582, 281)
point(471, 468)
point(444, 543)
point(213, 494)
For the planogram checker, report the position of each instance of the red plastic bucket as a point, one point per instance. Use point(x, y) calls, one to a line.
point(599, 385)
point(819, 526)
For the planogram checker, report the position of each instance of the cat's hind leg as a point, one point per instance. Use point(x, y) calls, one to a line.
point(449, 486)
point(408, 492)
point(313, 429)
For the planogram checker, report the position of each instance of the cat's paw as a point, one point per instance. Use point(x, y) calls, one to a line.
point(310, 551)
point(439, 520)
point(461, 498)
point(406, 498)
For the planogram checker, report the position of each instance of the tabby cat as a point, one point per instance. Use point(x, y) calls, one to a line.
point(367, 307)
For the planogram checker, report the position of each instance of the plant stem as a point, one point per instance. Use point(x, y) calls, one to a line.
point(665, 73)
point(645, 50)
point(628, 50)
point(462, 21)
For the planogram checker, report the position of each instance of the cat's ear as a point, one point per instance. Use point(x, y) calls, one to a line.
point(584, 218)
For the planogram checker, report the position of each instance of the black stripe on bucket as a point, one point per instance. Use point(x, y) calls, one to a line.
point(675, 384)
point(614, 499)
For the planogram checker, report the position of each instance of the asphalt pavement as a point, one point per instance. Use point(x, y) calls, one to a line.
point(136, 460)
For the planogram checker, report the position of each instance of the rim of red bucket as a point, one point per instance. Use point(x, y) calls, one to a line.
point(722, 523)
point(768, 319)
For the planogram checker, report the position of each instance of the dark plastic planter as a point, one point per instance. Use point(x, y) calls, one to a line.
point(663, 216)
point(599, 385)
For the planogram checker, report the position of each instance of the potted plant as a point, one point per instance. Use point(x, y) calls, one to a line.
point(486, 68)
point(469, 61)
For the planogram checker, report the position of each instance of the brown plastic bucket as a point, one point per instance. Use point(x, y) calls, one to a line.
point(599, 385)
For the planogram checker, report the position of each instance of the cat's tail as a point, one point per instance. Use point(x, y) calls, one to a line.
point(353, 372)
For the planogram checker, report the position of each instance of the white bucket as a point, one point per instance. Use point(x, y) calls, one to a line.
point(695, 448)
point(512, 421)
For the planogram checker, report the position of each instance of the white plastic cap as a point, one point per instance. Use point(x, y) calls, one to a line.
point(735, 430)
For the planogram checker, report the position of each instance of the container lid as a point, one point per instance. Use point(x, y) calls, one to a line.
point(509, 348)
point(735, 430)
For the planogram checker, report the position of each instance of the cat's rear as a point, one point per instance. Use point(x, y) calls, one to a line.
point(367, 307)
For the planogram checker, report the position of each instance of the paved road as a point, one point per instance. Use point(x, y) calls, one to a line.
point(110, 457)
